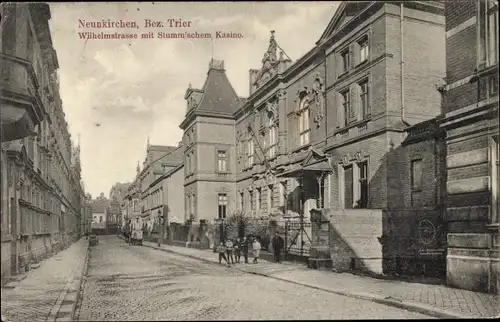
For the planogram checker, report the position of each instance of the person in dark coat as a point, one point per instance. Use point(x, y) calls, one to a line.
point(237, 250)
point(244, 249)
point(278, 245)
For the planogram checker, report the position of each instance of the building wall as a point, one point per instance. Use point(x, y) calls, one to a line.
point(203, 182)
point(470, 119)
point(49, 183)
point(96, 220)
point(173, 188)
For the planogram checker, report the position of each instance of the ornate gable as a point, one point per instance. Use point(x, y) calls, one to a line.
point(314, 94)
point(344, 13)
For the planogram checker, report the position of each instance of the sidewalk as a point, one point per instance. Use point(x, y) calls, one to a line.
point(49, 292)
point(435, 300)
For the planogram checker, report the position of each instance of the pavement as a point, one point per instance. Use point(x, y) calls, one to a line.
point(128, 283)
point(50, 290)
point(434, 300)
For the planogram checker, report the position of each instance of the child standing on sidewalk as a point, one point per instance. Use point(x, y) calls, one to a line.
point(222, 253)
point(256, 250)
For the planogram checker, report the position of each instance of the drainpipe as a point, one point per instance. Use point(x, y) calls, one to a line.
point(401, 23)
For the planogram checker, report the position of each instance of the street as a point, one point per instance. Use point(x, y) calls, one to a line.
point(139, 283)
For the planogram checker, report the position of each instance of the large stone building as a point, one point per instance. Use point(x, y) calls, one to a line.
point(159, 162)
point(320, 132)
point(470, 121)
point(41, 173)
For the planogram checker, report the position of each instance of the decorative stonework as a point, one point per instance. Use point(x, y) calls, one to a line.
point(315, 94)
point(272, 110)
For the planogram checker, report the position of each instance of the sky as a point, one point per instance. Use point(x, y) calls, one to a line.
point(117, 92)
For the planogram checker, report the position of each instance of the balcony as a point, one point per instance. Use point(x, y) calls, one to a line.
point(21, 107)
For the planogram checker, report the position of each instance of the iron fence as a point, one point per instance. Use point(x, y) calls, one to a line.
point(298, 238)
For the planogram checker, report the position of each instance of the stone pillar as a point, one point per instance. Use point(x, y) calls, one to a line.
point(282, 131)
point(320, 257)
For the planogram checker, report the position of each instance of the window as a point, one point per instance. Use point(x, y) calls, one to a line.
point(252, 201)
point(346, 105)
point(487, 35)
point(364, 99)
point(363, 184)
point(242, 201)
point(416, 175)
point(273, 140)
point(100, 219)
point(221, 161)
point(222, 205)
point(304, 124)
point(259, 198)
point(363, 50)
point(250, 153)
point(345, 60)
point(271, 196)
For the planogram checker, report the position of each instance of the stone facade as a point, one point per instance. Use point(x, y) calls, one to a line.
point(160, 161)
point(321, 132)
point(41, 174)
point(470, 120)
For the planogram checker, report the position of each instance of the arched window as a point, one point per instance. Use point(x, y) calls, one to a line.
point(304, 124)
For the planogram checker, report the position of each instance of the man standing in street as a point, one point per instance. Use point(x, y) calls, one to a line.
point(244, 249)
point(278, 244)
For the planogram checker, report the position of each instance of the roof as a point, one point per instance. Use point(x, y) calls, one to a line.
point(99, 206)
point(219, 95)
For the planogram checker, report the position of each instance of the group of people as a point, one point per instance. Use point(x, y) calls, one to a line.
point(231, 251)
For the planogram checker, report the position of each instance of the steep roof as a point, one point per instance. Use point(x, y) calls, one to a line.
point(99, 206)
point(219, 96)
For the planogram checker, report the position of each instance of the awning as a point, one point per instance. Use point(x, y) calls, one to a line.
point(319, 167)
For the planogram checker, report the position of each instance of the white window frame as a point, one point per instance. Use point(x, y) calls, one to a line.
point(364, 49)
point(487, 26)
point(273, 141)
point(304, 122)
point(222, 161)
point(251, 153)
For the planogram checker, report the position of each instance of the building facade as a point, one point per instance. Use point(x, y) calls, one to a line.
point(320, 132)
point(100, 208)
point(470, 120)
point(159, 161)
point(41, 173)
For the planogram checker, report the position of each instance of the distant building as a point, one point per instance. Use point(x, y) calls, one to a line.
point(160, 161)
point(99, 207)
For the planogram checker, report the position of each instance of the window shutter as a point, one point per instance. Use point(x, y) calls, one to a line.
point(352, 58)
point(352, 104)
point(355, 54)
point(339, 69)
point(340, 110)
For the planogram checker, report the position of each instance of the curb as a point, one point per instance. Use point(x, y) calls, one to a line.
point(68, 306)
point(410, 306)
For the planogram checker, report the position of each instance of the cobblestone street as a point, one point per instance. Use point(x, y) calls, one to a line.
point(138, 283)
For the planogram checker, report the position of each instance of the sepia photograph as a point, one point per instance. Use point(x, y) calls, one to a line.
point(253, 160)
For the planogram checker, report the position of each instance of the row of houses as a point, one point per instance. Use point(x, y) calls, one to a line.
point(389, 124)
point(43, 205)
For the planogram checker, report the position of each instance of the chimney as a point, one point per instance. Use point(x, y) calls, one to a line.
point(216, 64)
